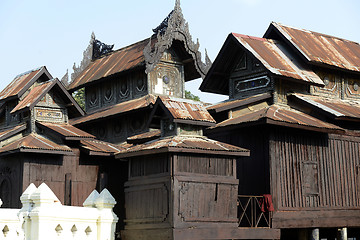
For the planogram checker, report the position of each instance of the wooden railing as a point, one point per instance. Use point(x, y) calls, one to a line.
point(250, 213)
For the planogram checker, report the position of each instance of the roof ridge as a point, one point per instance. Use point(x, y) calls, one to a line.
point(315, 33)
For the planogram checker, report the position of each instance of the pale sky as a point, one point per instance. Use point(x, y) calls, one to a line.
point(55, 33)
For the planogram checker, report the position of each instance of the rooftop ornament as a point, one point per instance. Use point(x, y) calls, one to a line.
point(174, 27)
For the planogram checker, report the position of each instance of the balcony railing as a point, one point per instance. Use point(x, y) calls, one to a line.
point(251, 212)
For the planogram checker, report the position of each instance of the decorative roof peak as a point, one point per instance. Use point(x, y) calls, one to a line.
point(174, 27)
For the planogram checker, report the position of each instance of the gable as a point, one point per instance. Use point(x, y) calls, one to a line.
point(23, 82)
point(269, 57)
point(318, 49)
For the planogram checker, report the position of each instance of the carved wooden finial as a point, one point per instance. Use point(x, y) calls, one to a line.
point(174, 27)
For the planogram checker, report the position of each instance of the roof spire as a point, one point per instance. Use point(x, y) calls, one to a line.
point(174, 27)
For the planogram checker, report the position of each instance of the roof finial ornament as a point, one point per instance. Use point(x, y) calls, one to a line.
point(174, 27)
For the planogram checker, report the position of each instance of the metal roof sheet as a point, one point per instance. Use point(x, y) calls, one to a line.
point(184, 109)
point(6, 133)
point(96, 147)
point(118, 61)
point(231, 104)
point(116, 109)
point(34, 143)
point(193, 144)
point(274, 56)
point(321, 48)
point(66, 131)
point(33, 95)
point(275, 114)
point(18, 83)
point(144, 137)
point(338, 108)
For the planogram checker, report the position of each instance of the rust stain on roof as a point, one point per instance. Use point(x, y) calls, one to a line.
point(338, 108)
point(282, 116)
point(18, 84)
point(144, 137)
point(5, 133)
point(34, 142)
point(321, 48)
point(186, 109)
point(227, 105)
point(96, 147)
point(194, 144)
point(116, 109)
point(33, 96)
point(67, 131)
point(273, 55)
point(118, 61)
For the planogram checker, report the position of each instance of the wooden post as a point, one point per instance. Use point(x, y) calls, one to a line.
point(315, 234)
point(342, 234)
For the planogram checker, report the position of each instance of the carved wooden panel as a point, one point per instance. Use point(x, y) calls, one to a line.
point(50, 114)
point(167, 79)
point(92, 98)
point(139, 84)
point(124, 89)
point(352, 88)
point(332, 86)
point(108, 93)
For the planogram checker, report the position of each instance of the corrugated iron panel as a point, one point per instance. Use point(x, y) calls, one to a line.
point(187, 109)
point(97, 146)
point(280, 115)
point(144, 137)
point(35, 142)
point(4, 134)
point(116, 109)
point(273, 55)
point(33, 95)
point(340, 109)
point(227, 105)
point(115, 62)
point(67, 131)
point(324, 49)
point(183, 143)
point(18, 83)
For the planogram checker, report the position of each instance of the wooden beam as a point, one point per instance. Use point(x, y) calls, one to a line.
point(230, 233)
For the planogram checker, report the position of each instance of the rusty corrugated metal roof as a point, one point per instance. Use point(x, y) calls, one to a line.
point(6, 133)
point(33, 95)
point(118, 61)
point(277, 115)
point(96, 147)
point(227, 105)
point(66, 131)
point(21, 82)
point(144, 137)
point(192, 144)
point(184, 109)
point(35, 143)
point(116, 109)
point(273, 55)
point(321, 48)
point(338, 108)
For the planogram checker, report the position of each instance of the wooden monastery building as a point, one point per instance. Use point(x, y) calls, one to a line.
point(294, 102)
point(279, 160)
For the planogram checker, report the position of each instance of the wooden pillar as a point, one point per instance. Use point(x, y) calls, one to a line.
point(342, 234)
point(315, 234)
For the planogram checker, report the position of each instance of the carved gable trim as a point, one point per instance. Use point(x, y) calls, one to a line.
point(174, 27)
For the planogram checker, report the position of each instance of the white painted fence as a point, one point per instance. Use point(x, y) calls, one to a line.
point(43, 217)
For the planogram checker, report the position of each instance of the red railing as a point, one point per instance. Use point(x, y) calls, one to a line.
point(250, 212)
